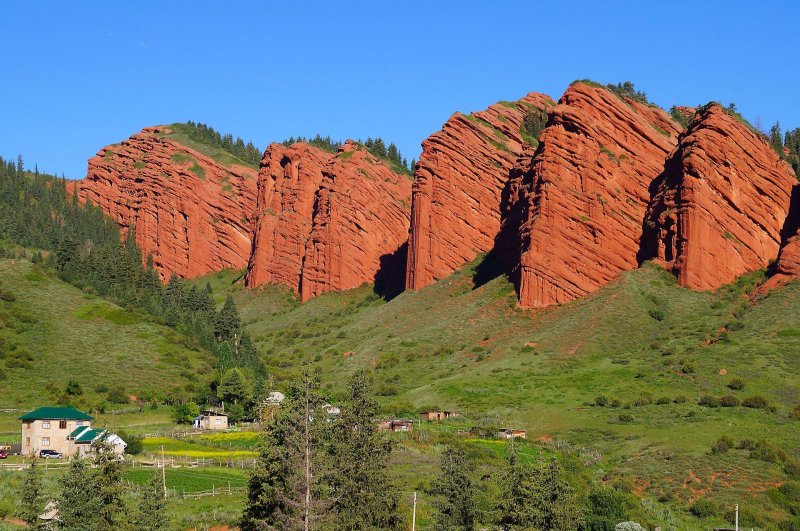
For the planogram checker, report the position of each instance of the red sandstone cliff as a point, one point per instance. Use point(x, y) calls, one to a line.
point(587, 191)
point(458, 188)
point(287, 184)
point(191, 213)
point(718, 210)
point(329, 222)
point(360, 224)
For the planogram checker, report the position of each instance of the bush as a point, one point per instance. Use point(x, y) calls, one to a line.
point(663, 401)
point(729, 401)
point(185, 413)
point(792, 468)
point(658, 315)
point(102, 388)
point(722, 445)
point(703, 508)
point(737, 384)
point(135, 446)
point(768, 452)
point(746, 444)
point(756, 401)
point(601, 401)
point(796, 412)
point(708, 401)
point(7, 296)
point(680, 399)
point(117, 396)
point(616, 403)
point(625, 418)
point(73, 388)
point(645, 399)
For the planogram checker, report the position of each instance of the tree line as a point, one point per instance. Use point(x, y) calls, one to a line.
point(84, 248)
point(786, 146)
point(201, 132)
point(377, 146)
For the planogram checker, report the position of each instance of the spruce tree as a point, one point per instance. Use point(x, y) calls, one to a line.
point(455, 493)
point(519, 488)
point(151, 509)
point(287, 488)
point(554, 505)
point(31, 496)
point(365, 496)
point(108, 485)
point(78, 503)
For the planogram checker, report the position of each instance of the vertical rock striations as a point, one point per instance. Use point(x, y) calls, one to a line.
point(458, 188)
point(190, 212)
point(287, 184)
point(719, 208)
point(329, 222)
point(587, 192)
point(361, 222)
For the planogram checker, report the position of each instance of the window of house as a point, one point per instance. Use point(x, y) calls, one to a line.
point(27, 441)
point(219, 421)
point(79, 424)
point(62, 424)
point(46, 425)
point(45, 441)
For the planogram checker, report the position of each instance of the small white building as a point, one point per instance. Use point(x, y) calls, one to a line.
point(210, 420)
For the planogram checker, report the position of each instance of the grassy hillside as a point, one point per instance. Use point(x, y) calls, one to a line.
point(52, 333)
point(183, 134)
point(648, 348)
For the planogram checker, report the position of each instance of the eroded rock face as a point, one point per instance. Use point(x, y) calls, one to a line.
point(191, 213)
point(329, 222)
point(360, 226)
point(719, 208)
point(288, 182)
point(586, 193)
point(459, 185)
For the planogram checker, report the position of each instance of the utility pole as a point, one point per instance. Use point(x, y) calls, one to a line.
point(414, 514)
point(737, 517)
point(163, 472)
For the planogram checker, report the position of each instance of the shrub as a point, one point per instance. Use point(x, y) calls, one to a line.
point(73, 388)
point(746, 444)
point(658, 315)
point(791, 490)
point(625, 418)
point(703, 508)
point(601, 401)
point(756, 401)
point(722, 445)
point(737, 384)
point(645, 399)
point(708, 401)
point(387, 390)
point(117, 396)
point(729, 401)
point(616, 403)
point(7, 296)
point(680, 399)
point(796, 412)
point(768, 452)
point(792, 468)
point(135, 446)
point(102, 388)
point(663, 400)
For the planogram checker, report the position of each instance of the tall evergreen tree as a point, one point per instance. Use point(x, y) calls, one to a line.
point(151, 508)
point(365, 498)
point(78, 505)
point(287, 488)
point(455, 493)
point(519, 488)
point(554, 505)
point(31, 496)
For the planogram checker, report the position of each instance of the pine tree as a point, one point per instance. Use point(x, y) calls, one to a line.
point(554, 505)
point(235, 387)
point(286, 490)
point(228, 323)
point(151, 510)
point(519, 488)
point(78, 504)
point(108, 485)
point(776, 139)
point(31, 496)
point(455, 501)
point(365, 497)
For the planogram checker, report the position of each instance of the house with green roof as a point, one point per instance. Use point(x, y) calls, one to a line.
point(48, 428)
point(85, 438)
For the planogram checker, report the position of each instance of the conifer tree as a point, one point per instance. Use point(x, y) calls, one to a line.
point(287, 488)
point(151, 509)
point(78, 504)
point(455, 493)
point(364, 496)
point(31, 496)
point(519, 488)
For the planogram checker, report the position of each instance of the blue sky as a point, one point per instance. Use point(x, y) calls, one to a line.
point(80, 75)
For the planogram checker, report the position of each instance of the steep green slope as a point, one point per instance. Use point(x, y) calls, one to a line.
point(650, 348)
point(53, 333)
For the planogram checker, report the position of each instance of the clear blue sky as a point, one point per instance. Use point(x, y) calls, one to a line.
point(80, 75)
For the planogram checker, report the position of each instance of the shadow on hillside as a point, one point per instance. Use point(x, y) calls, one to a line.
point(790, 226)
point(390, 279)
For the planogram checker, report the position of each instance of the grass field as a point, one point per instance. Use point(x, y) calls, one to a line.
point(192, 479)
point(66, 334)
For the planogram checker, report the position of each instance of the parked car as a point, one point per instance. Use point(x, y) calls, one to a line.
point(3, 454)
point(50, 454)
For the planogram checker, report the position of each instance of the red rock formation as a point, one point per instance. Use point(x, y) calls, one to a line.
point(458, 188)
point(287, 184)
point(719, 208)
point(360, 224)
point(191, 213)
point(587, 192)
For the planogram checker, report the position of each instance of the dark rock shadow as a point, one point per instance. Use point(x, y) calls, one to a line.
point(790, 226)
point(390, 280)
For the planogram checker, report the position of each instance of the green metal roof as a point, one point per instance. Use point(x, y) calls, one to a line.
point(56, 413)
point(89, 436)
point(77, 431)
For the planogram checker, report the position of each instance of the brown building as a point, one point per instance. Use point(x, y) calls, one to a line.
point(396, 425)
point(438, 415)
point(211, 420)
point(508, 433)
